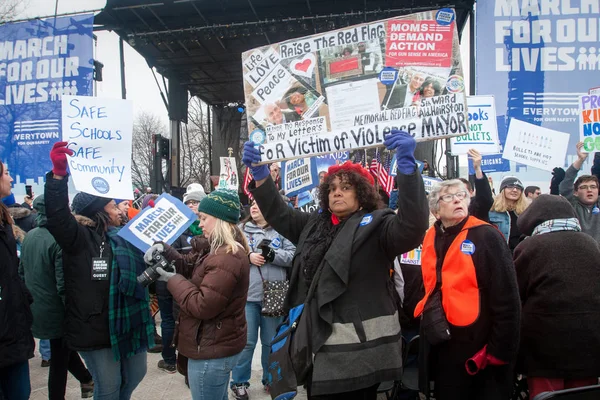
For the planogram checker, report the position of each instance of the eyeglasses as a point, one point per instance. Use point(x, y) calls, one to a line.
point(511, 187)
point(192, 202)
point(447, 198)
point(586, 187)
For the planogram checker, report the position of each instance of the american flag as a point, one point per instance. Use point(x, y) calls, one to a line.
point(380, 169)
point(247, 180)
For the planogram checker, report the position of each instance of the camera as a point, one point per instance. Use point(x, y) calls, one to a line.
point(151, 274)
point(267, 252)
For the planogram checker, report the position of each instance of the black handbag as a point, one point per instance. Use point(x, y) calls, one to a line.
point(434, 323)
point(274, 293)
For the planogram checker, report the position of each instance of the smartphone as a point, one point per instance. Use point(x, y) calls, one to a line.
point(28, 191)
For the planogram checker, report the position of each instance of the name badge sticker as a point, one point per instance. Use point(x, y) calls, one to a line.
point(100, 268)
point(595, 210)
point(467, 247)
point(367, 219)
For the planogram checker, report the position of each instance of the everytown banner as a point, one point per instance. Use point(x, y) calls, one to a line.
point(345, 89)
point(40, 61)
point(536, 58)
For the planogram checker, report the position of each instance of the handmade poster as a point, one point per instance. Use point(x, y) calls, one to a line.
point(535, 146)
point(164, 222)
point(483, 129)
point(99, 131)
point(589, 122)
point(346, 89)
point(298, 175)
point(228, 178)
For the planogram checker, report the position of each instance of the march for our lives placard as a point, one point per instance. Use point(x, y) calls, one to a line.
point(99, 131)
point(164, 222)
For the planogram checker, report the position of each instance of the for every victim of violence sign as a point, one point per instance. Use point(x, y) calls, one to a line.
point(346, 89)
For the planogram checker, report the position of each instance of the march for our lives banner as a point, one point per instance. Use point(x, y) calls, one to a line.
point(40, 61)
point(536, 58)
point(164, 222)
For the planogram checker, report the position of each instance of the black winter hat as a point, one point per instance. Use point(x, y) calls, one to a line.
point(542, 209)
point(511, 180)
point(88, 205)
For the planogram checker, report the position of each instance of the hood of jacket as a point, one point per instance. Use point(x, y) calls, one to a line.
point(39, 205)
point(546, 207)
point(17, 211)
point(85, 221)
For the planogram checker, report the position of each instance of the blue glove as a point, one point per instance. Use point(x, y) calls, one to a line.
point(405, 145)
point(251, 156)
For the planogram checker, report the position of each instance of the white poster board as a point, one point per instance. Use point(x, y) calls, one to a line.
point(483, 127)
point(535, 146)
point(228, 177)
point(99, 131)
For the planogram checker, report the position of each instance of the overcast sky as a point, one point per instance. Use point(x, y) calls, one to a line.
point(141, 88)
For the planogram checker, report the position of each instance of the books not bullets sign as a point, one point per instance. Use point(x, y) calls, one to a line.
point(535, 146)
point(346, 89)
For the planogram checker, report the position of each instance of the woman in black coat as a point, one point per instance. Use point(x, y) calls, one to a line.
point(557, 271)
point(16, 339)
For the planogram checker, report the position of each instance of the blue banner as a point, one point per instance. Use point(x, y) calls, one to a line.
point(536, 58)
point(40, 61)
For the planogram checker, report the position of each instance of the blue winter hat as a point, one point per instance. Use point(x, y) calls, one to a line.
point(9, 200)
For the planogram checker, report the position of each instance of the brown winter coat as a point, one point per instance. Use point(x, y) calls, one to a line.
point(212, 322)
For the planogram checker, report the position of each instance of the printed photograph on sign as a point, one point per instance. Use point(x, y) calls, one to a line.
point(358, 82)
point(228, 176)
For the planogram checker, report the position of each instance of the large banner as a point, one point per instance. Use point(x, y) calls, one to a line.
point(40, 61)
point(345, 89)
point(536, 58)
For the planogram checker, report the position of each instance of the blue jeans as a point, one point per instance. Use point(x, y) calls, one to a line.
point(14, 381)
point(114, 380)
point(208, 378)
point(45, 349)
point(167, 324)
point(268, 327)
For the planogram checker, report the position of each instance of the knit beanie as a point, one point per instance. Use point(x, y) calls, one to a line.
point(222, 204)
point(511, 180)
point(9, 200)
point(119, 201)
point(149, 200)
point(88, 205)
point(194, 191)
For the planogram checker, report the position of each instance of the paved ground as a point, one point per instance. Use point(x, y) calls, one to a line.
point(156, 384)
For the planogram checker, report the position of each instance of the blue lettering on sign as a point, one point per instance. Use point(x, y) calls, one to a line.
point(101, 185)
point(445, 16)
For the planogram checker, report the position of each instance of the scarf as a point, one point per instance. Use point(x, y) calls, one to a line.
point(317, 243)
point(557, 225)
point(130, 324)
point(195, 228)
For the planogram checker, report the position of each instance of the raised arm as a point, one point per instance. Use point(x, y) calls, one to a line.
point(566, 186)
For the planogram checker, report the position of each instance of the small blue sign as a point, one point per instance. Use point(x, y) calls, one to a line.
point(467, 247)
point(367, 219)
point(388, 75)
point(258, 136)
point(445, 16)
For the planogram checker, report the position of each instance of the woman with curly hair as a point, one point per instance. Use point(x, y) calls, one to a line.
point(508, 205)
point(349, 246)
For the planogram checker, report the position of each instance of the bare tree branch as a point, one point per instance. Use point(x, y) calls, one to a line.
point(9, 9)
point(144, 126)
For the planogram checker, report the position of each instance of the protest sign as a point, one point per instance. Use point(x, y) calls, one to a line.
point(346, 89)
point(413, 257)
point(535, 146)
point(595, 90)
point(99, 132)
point(430, 182)
point(164, 222)
point(308, 199)
point(589, 122)
point(483, 130)
point(228, 178)
point(298, 175)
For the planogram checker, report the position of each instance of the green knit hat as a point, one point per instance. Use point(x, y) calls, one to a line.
point(222, 204)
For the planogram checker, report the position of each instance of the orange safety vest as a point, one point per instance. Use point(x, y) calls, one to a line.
point(460, 292)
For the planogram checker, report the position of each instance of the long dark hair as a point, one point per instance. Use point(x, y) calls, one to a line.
point(4, 214)
point(368, 198)
point(249, 218)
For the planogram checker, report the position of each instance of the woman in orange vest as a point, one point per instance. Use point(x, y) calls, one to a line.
point(470, 314)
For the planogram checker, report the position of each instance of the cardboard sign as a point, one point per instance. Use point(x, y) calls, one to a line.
point(164, 222)
point(99, 131)
point(346, 89)
point(483, 128)
point(535, 146)
point(228, 177)
point(299, 175)
point(589, 122)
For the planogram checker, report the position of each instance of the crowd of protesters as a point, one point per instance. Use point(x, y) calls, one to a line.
point(504, 288)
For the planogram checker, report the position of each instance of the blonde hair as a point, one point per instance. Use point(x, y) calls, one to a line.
point(228, 235)
point(501, 205)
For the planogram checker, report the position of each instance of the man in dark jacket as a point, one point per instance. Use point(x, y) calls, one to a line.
point(556, 270)
point(41, 267)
